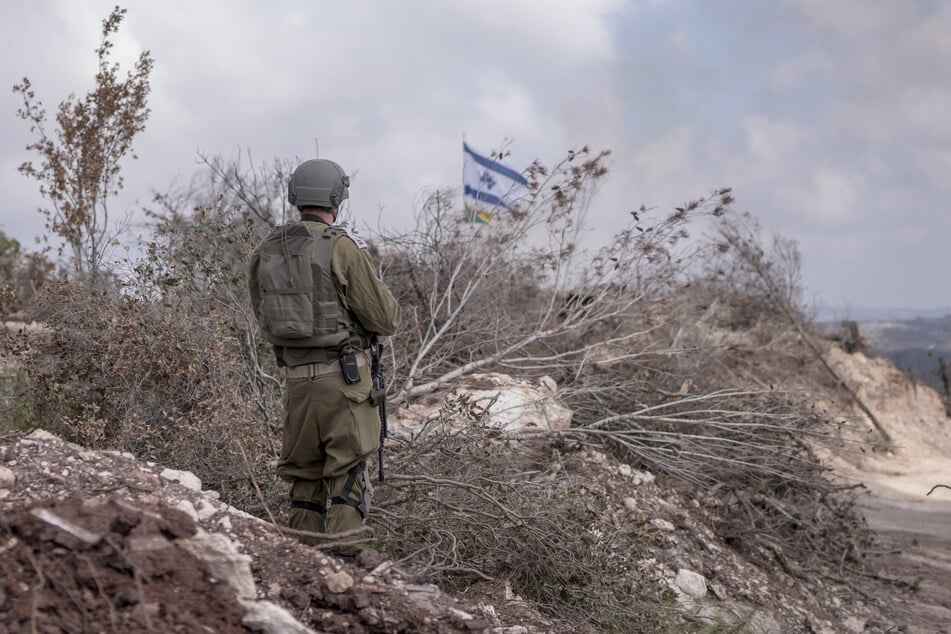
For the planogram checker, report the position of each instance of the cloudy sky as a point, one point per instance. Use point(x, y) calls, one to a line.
point(831, 119)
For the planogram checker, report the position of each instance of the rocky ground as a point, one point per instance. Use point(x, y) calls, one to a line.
point(100, 541)
point(93, 541)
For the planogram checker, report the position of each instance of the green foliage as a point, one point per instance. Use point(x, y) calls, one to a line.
point(9, 258)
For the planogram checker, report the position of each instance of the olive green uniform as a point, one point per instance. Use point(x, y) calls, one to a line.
point(330, 427)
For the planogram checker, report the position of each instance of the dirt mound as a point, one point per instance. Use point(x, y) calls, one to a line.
point(75, 566)
point(98, 541)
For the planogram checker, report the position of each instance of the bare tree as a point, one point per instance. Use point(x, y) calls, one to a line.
point(79, 166)
point(521, 293)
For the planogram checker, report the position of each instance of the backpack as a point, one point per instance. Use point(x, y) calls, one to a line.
point(300, 306)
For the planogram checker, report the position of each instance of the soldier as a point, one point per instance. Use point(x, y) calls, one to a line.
point(319, 301)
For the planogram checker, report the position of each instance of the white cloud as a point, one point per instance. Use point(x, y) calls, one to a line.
point(572, 31)
point(771, 140)
point(830, 199)
point(812, 62)
point(666, 164)
point(853, 18)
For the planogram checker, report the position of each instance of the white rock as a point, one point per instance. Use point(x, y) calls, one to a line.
point(186, 507)
point(7, 477)
point(42, 434)
point(642, 477)
point(630, 504)
point(691, 582)
point(147, 542)
point(854, 624)
point(67, 526)
point(204, 509)
point(268, 618)
point(186, 478)
point(625, 470)
point(510, 404)
point(223, 561)
point(662, 524)
point(465, 616)
point(338, 582)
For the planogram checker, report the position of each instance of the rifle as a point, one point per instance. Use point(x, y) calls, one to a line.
point(378, 393)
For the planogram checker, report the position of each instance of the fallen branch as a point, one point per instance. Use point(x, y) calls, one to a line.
point(938, 486)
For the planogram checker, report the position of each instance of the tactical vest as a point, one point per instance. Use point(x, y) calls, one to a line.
point(300, 306)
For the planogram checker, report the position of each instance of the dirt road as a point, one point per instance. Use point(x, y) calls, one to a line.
point(917, 535)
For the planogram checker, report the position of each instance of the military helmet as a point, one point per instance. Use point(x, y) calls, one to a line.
point(318, 183)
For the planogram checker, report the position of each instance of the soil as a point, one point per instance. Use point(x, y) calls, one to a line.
point(116, 571)
point(101, 542)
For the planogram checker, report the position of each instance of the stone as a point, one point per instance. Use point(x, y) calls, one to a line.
point(66, 526)
point(187, 508)
point(205, 509)
point(509, 404)
point(338, 582)
point(630, 504)
point(147, 542)
point(854, 624)
point(662, 524)
point(642, 477)
point(42, 435)
point(186, 478)
point(691, 583)
point(268, 618)
point(7, 477)
point(625, 470)
point(223, 561)
point(548, 383)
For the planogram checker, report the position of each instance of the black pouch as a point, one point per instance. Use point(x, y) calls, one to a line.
point(349, 368)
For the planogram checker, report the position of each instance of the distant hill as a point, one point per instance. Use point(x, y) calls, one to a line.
point(912, 344)
point(827, 313)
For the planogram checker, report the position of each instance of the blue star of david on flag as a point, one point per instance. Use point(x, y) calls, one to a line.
point(489, 186)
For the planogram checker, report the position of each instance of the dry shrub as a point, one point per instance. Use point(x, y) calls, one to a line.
point(164, 363)
point(465, 504)
point(720, 401)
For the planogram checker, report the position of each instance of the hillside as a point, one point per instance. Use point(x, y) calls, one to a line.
point(916, 344)
point(101, 541)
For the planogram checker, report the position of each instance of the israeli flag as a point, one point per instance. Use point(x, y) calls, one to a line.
point(489, 186)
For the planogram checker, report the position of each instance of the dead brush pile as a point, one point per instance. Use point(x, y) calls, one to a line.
point(727, 406)
point(466, 505)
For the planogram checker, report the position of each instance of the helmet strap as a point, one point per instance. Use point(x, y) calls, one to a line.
point(315, 216)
